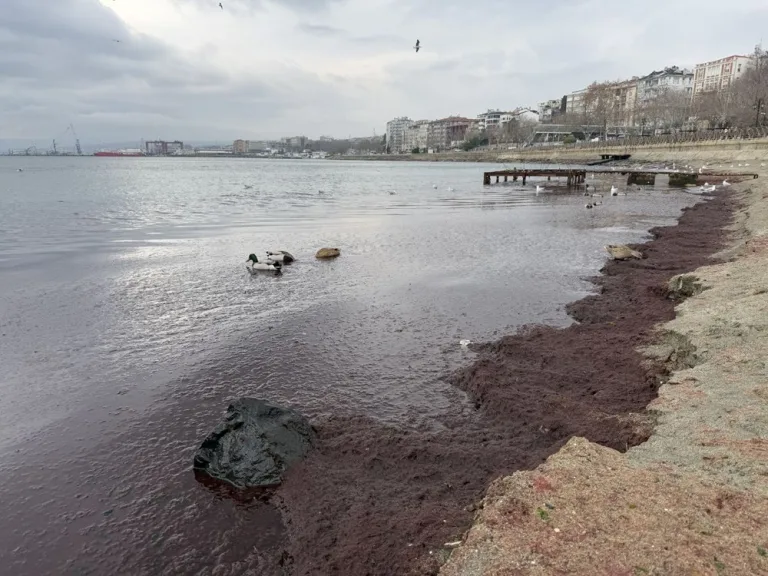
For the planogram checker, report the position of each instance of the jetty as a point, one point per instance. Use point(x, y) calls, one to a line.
point(645, 176)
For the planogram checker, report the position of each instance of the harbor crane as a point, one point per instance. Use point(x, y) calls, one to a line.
point(70, 128)
point(77, 140)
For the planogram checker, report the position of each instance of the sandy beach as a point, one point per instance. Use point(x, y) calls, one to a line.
point(693, 498)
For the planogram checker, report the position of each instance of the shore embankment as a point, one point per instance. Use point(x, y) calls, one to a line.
point(709, 151)
point(693, 498)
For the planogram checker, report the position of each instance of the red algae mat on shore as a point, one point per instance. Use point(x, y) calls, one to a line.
point(374, 500)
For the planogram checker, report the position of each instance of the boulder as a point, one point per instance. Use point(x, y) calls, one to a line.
point(684, 286)
point(255, 444)
point(325, 253)
point(622, 252)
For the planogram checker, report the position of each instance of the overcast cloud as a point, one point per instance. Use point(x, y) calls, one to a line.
point(187, 69)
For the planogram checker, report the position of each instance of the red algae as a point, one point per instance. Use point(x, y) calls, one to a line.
point(376, 500)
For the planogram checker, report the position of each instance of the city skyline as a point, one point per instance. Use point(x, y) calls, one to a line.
point(261, 70)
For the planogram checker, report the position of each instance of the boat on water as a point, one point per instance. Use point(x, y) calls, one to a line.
point(133, 152)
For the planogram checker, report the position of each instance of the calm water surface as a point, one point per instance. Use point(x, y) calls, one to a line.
point(128, 320)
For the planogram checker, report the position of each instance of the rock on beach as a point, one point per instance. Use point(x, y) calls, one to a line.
point(327, 253)
point(255, 444)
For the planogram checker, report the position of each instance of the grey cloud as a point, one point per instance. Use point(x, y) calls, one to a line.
point(321, 30)
point(60, 65)
point(256, 5)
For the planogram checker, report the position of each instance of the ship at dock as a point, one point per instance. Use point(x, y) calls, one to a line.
point(131, 152)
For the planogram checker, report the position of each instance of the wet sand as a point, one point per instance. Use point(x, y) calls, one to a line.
point(377, 500)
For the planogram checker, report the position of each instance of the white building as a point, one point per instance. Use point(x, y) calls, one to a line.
point(416, 135)
point(396, 131)
point(671, 79)
point(718, 74)
point(493, 119)
point(550, 109)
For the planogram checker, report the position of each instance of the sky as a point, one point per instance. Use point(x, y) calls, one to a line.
point(186, 69)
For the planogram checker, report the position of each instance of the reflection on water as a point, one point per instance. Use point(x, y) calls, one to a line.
point(127, 320)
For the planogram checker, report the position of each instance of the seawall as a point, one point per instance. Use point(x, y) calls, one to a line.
point(705, 151)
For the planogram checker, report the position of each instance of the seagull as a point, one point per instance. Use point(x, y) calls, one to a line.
point(614, 191)
point(418, 45)
point(726, 183)
point(113, 40)
point(539, 189)
point(220, 6)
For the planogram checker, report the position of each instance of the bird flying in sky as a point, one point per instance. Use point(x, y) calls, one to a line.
point(220, 6)
point(418, 45)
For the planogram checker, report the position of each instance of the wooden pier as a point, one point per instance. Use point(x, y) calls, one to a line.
point(577, 176)
point(573, 177)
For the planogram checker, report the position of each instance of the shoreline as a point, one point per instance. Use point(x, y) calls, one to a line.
point(693, 499)
point(379, 500)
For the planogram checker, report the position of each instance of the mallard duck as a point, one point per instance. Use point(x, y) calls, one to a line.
point(280, 256)
point(257, 266)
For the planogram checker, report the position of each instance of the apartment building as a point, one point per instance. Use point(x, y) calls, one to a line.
point(718, 74)
point(396, 132)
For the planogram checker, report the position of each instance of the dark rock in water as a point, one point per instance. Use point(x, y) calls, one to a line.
point(255, 444)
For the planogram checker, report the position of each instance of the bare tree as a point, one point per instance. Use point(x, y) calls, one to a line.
point(750, 92)
point(666, 109)
point(600, 105)
point(717, 108)
point(520, 130)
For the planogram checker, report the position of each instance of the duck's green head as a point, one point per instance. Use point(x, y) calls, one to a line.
point(252, 258)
